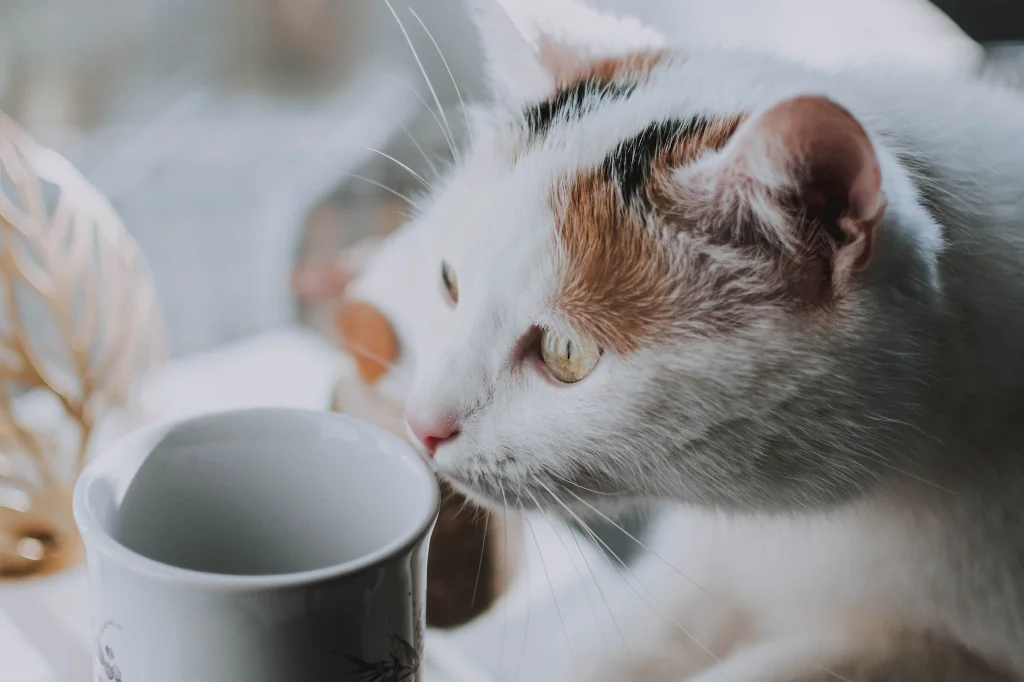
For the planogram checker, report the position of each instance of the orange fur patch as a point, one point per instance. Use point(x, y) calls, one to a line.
point(575, 74)
point(618, 283)
point(635, 66)
point(367, 334)
point(617, 279)
point(569, 67)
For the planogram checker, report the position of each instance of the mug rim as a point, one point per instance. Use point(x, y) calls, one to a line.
point(94, 536)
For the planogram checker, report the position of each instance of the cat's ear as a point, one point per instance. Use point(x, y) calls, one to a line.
point(807, 173)
point(512, 61)
point(530, 46)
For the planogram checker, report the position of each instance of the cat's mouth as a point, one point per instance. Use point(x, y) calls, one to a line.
point(501, 488)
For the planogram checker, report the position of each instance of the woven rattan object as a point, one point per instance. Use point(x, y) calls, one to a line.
point(79, 324)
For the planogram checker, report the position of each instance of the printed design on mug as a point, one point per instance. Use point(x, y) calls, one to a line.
point(107, 669)
point(401, 665)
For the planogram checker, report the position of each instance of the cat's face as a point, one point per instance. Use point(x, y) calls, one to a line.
point(644, 299)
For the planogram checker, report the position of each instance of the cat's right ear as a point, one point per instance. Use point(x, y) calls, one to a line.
point(807, 173)
point(531, 46)
point(513, 63)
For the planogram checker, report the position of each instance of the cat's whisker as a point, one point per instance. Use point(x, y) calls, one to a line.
point(551, 588)
point(463, 507)
point(594, 537)
point(383, 187)
point(444, 61)
point(356, 348)
point(480, 563)
point(886, 419)
point(593, 577)
point(430, 110)
point(400, 165)
point(880, 459)
point(505, 556)
point(833, 673)
point(526, 631)
point(580, 487)
point(426, 78)
point(872, 452)
point(572, 560)
point(404, 214)
point(600, 591)
point(624, 575)
point(419, 148)
point(657, 556)
point(914, 476)
point(526, 625)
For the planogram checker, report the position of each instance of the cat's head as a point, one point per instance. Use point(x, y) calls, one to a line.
point(647, 298)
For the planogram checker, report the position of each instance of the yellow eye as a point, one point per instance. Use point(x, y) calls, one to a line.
point(570, 358)
point(451, 282)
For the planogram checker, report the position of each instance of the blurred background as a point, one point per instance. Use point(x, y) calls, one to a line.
point(228, 132)
point(216, 128)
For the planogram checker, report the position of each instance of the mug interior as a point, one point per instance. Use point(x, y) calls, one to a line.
point(264, 492)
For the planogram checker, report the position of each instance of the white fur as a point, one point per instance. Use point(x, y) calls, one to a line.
point(514, 30)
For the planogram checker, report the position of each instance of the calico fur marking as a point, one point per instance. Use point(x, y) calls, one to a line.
point(730, 242)
point(663, 147)
point(584, 86)
point(572, 102)
point(636, 66)
point(620, 284)
point(617, 280)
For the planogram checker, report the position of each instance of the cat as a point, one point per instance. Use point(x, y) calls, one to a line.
point(784, 306)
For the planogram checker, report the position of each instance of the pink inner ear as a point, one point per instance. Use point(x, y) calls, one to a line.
point(812, 145)
point(831, 152)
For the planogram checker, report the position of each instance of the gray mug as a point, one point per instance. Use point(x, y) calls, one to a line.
point(263, 545)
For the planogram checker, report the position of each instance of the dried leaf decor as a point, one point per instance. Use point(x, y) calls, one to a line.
point(79, 323)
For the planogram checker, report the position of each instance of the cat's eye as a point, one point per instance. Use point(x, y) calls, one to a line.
point(569, 357)
point(450, 281)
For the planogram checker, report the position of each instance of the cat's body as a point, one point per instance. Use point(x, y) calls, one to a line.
point(808, 292)
point(817, 592)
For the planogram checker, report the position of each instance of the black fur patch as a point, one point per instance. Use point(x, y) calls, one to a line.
point(572, 102)
point(629, 165)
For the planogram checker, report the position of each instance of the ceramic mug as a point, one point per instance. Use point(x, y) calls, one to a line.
point(261, 545)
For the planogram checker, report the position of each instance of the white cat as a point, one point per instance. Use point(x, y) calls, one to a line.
point(786, 305)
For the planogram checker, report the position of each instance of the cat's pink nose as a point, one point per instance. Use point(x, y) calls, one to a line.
point(433, 432)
